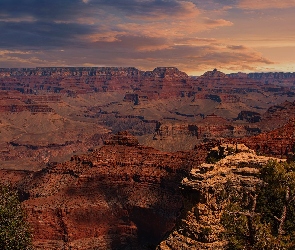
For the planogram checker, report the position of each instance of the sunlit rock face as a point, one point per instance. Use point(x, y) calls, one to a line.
point(205, 190)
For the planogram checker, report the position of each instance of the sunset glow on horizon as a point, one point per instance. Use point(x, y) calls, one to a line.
point(192, 35)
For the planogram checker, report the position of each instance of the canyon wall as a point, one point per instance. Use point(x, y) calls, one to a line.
point(117, 197)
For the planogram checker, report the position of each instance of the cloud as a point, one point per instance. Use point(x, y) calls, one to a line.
point(56, 23)
point(217, 23)
point(13, 58)
point(173, 28)
point(215, 5)
point(159, 10)
point(42, 10)
point(140, 33)
point(194, 41)
point(131, 51)
point(42, 34)
point(132, 44)
point(263, 4)
point(236, 47)
point(8, 19)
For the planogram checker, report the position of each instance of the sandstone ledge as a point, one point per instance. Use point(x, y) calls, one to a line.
point(200, 226)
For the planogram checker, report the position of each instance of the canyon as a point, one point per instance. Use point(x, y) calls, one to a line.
point(114, 158)
point(121, 196)
point(75, 109)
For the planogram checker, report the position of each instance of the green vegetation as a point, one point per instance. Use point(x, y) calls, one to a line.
point(14, 230)
point(263, 218)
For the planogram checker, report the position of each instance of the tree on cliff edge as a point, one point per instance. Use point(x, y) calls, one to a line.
point(265, 219)
point(14, 230)
point(277, 199)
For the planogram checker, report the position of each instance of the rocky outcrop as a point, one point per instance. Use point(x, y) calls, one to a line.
point(273, 77)
point(279, 142)
point(122, 138)
point(16, 102)
point(213, 74)
point(249, 116)
point(211, 127)
point(162, 82)
point(224, 98)
point(22, 108)
point(277, 116)
point(205, 190)
point(83, 80)
point(69, 71)
point(117, 197)
point(130, 97)
point(168, 73)
point(137, 125)
point(13, 177)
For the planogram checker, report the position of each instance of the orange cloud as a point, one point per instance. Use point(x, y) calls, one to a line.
point(29, 58)
point(172, 28)
point(228, 58)
point(237, 47)
point(106, 36)
point(263, 4)
point(217, 22)
point(193, 59)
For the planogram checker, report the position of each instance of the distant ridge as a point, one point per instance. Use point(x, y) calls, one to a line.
point(213, 73)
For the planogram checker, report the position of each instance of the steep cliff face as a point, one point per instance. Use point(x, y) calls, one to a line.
point(249, 116)
point(213, 74)
point(162, 82)
point(205, 190)
point(212, 127)
point(73, 81)
point(168, 73)
point(279, 142)
point(118, 197)
point(277, 116)
point(14, 102)
point(67, 103)
point(273, 77)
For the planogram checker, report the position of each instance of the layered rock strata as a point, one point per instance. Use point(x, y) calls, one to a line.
point(117, 197)
point(200, 224)
point(279, 142)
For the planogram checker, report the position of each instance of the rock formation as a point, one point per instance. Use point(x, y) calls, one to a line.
point(122, 138)
point(278, 115)
point(162, 82)
point(165, 108)
point(279, 142)
point(213, 74)
point(123, 194)
point(249, 116)
point(117, 197)
point(212, 127)
point(205, 190)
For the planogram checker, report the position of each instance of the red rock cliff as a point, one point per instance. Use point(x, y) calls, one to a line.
point(118, 196)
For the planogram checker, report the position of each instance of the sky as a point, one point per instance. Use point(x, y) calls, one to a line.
point(193, 35)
